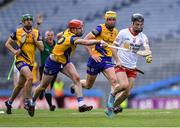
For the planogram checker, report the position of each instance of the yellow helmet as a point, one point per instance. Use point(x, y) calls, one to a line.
point(110, 14)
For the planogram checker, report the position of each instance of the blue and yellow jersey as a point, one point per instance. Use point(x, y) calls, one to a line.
point(102, 33)
point(65, 47)
point(27, 47)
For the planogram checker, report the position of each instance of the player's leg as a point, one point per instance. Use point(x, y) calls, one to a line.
point(111, 76)
point(89, 81)
point(125, 79)
point(41, 73)
point(50, 70)
point(15, 92)
point(45, 81)
point(27, 73)
point(86, 83)
point(71, 72)
point(48, 94)
point(92, 70)
point(121, 96)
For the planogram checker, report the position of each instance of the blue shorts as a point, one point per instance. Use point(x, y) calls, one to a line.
point(52, 68)
point(21, 64)
point(93, 67)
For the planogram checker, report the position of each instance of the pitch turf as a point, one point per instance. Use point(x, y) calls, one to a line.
point(95, 118)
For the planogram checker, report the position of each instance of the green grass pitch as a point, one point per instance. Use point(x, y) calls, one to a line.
point(94, 118)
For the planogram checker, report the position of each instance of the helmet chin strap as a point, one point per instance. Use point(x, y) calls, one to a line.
point(80, 34)
point(109, 27)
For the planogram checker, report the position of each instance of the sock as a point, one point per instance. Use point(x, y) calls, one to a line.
point(10, 102)
point(26, 101)
point(80, 101)
point(33, 99)
point(48, 97)
point(111, 100)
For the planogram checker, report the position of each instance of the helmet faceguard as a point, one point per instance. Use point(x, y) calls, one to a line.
point(110, 14)
point(26, 17)
point(138, 21)
point(77, 24)
point(110, 17)
point(137, 17)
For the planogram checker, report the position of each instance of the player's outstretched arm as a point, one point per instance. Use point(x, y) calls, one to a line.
point(87, 42)
point(88, 37)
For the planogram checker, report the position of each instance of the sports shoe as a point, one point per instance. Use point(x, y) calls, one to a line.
point(31, 110)
point(109, 109)
point(8, 106)
point(52, 108)
point(109, 112)
point(85, 108)
point(72, 89)
point(117, 109)
point(30, 107)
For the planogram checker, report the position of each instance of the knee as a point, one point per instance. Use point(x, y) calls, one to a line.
point(76, 79)
point(86, 84)
point(125, 86)
point(114, 82)
point(29, 78)
point(127, 92)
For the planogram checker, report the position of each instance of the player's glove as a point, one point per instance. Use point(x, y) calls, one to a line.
point(148, 59)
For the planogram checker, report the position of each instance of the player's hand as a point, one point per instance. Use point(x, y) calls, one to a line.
point(39, 19)
point(148, 59)
point(103, 43)
point(96, 58)
point(17, 52)
point(34, 38)
point(118, 64)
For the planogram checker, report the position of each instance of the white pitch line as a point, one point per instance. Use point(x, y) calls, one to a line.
point(89, 113)
point(2, 112)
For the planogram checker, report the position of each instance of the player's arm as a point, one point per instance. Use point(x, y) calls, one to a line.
point(38, 42)
point(9, 44)
point(92, 35)
point(146, 52)
point(88, 42)
point(59, 35)
point(88, 37)
point(77, 40)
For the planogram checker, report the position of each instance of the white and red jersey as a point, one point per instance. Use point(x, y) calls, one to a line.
point(126, 39)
